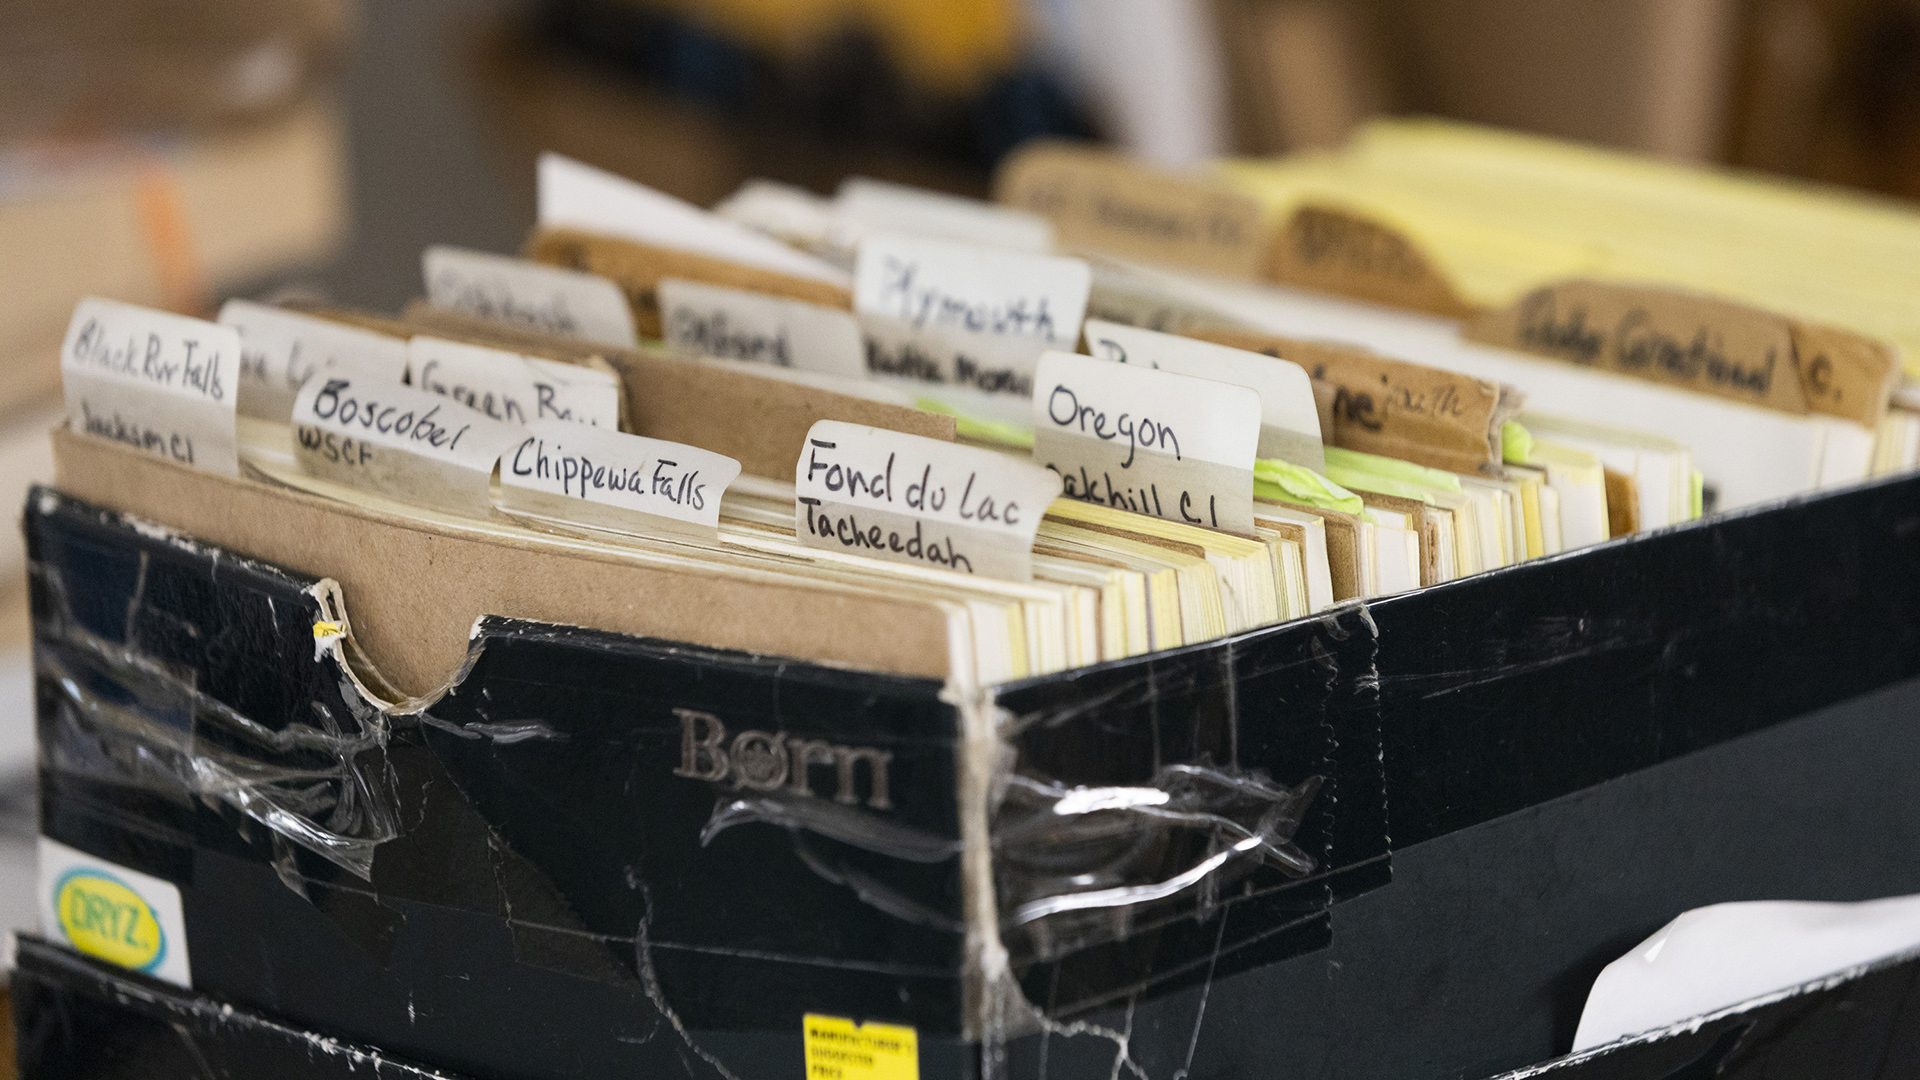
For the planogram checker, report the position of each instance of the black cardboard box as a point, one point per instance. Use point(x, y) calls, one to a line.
point(1400, 839)
point(81, 1019)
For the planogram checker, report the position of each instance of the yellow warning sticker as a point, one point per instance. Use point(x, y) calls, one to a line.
point(839, 1049)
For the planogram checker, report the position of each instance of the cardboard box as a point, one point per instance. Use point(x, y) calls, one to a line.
point(84, 1020)
point(1395, 840)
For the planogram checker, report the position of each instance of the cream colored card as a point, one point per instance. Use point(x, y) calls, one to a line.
point(734, 324)
point(400, 442)
point(606, 479)
point(869, 206)
point(512, 388)
point(280, 350)
point(162, 383)
point(1289, 421)
point(529, 295)
point(1150, 441)
point(909, 499)
point(793, 214)
point(578, 196)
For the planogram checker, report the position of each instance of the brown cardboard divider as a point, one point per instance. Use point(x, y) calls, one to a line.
point(1429, 416)
point(415, 589)
point(1845, 374)
point(1623, 504)
point(1335, 250)
point(1701, 343)
point(637, 268)
point(1347, 558)
point(1103, 201)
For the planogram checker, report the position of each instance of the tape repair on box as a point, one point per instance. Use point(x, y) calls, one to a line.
point(673, 853)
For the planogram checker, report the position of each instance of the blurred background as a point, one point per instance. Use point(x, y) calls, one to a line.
point(177, 152)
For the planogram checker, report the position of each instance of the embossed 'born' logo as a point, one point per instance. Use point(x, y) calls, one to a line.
point(764, 760)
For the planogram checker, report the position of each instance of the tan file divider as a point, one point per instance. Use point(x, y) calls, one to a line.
point(1338, 251)
point(1702, 343)
point(637, 268)
point(1429, 416)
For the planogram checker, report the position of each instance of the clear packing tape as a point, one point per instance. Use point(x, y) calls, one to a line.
point(1074, 866)
point(125, 715)
point(1057, 847)
point(1130, 807)
point(1078, 864)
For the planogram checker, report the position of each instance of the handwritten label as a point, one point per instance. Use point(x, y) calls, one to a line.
point(1102, 201)
point(1153, 442)
point(875, 206)
point(1680, 339)
point(969, 320)
point(400, 442)
point(909, 499)
point(1429, 416)
point(280, 350)
point(512, 388)
point(610, 480)
point(1845, 374)
point(1339, 252)
point(992, 372)
point(529, 295)
point(733, 324)
point(937, 285)
point(1289, 421)
point(161, 383)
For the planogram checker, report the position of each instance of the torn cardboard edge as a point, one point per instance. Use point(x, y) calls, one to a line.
point(418, 586)
point(1224, 794)
point(1702, 343)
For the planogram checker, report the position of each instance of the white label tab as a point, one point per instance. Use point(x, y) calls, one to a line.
point(401, 442)
point(280, 350)
point(529, 295)
point(997, 369)
point(610, 480)
point(1153, 442)
point(162, 383)
point(111, 913)
point(911, 499)
point(1289, 422)
point(939, 285)
point(733, 324)
point(515, 389)
point(876, 206)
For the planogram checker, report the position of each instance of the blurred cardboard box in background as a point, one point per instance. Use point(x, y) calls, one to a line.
point(160, 152)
